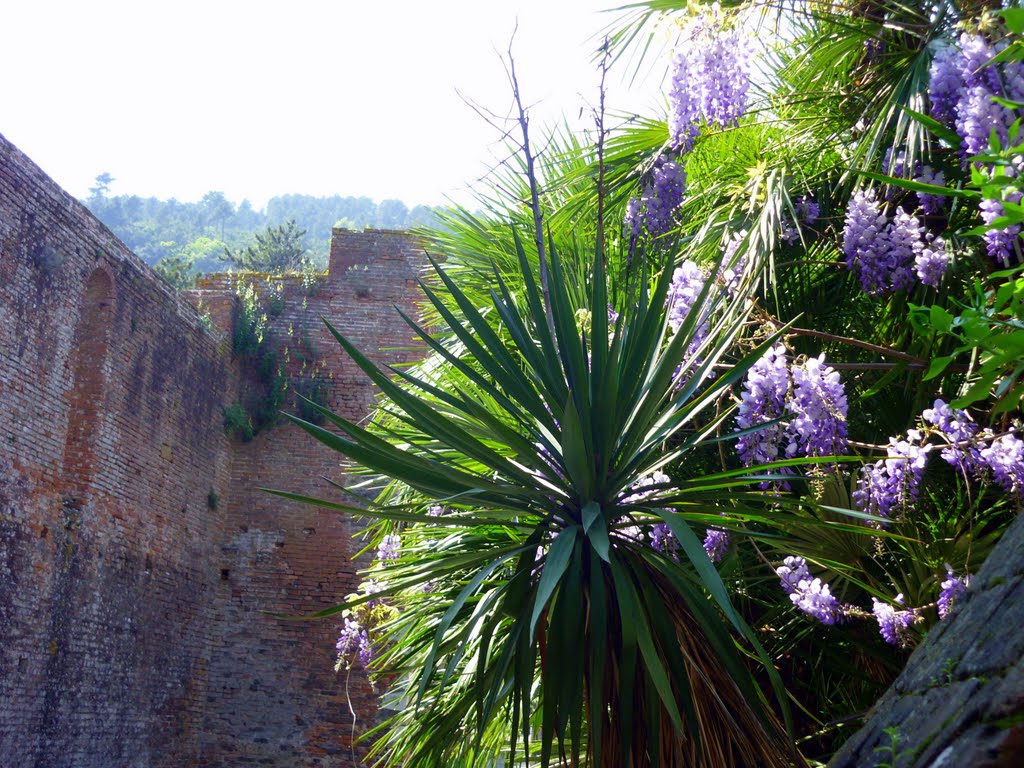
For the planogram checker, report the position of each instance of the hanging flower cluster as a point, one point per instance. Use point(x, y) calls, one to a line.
point(961, 88)
point(893, 624)
point(710, 79)
point(355, 641)
point(887, 255)
point(807, 213)
point(890, 486)
point(810, 595)
point(952, 590)
point(688, 281)
point(655, 209)
point(931, 205)
point(962, 91)
point(814, 597)
point(810, 394)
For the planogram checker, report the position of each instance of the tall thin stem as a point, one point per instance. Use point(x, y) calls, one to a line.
point(531, 175)
point(600, 150)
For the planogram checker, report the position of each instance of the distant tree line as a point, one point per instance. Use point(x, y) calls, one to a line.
point(211, 235)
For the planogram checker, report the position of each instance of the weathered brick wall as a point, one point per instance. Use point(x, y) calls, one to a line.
point(133, 601)
point(274, 696)
point(110, 443)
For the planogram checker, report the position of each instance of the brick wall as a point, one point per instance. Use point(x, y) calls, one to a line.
point(274, 696)
point(110, 442)
point(138, 560)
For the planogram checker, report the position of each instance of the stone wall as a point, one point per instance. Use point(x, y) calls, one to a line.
point(139, 562)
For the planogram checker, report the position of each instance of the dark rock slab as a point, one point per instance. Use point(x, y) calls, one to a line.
point(960, 701)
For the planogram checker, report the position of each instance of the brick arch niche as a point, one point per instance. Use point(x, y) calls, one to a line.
point(89, 357)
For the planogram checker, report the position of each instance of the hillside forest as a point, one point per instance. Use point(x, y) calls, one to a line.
point(185, 239)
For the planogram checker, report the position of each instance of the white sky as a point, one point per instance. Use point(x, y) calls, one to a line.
point(254, 99)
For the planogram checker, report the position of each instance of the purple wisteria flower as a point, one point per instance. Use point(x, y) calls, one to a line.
point(353, 640)
point(634, 219)
point(977, 116)
point(977, 52)
point(685, 99)
point(959, 431)
point(687, 283)
point(899, 168)
point(792, 571)
point(807, 210)
point(710, 80)
point(810, 595)
point(865, 241)
point(725, 78)
point(818, 407)
point(946, 85)
point(953, 588)
point(931, 204)
point(642, 489)
point(763, 400)
point(1000, 244)
point(873, 50)
point(732, 266)
point(904, 239)
point(1004, 456)
point(1013, 79)
point(890, 484)
point(663, 540)
point(932, 262)
point(961, 88)
point(716, 542)
point(663, 196)
point(389, 548)
point(893, 624)
point(887, 255)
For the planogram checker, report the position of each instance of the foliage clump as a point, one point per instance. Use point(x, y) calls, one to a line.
point(276, 250)
point(280, 369)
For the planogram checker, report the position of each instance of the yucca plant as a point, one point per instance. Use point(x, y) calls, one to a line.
point(537, 619)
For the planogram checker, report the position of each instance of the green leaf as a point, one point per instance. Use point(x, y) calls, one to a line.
point(628, 605)
point(1014, 18)
point(598, 536)
point(948, 135)
point(698, 557)
point(578, 463)
point(555, 563)
point(917, 186)
point(449, 617)
point(937, 366)
point(978, 391)
point(591, 513)
point(941, 319)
